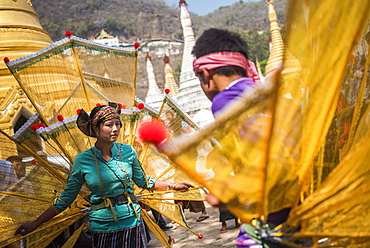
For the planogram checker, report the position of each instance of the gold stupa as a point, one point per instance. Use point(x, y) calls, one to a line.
point(275, 59)
point(21, 34)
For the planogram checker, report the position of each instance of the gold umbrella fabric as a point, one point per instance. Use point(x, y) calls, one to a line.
point(68, 75)
point(275, 148)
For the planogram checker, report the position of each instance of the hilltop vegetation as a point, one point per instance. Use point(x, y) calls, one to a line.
point(142, 19)
point(129, 19)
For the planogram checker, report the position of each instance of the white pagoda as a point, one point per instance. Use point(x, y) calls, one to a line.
point(191, 96)
point(154, 96)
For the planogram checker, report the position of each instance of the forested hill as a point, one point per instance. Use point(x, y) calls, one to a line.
point(144, 19)
point(129, 19)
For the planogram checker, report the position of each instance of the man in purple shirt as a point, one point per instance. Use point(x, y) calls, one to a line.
point(225, 72)
point(222, 66)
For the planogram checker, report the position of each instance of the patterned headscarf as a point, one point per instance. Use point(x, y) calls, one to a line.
point(104, 114)
point(85, 123)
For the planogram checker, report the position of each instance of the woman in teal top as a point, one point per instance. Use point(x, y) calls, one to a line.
point(109, 169)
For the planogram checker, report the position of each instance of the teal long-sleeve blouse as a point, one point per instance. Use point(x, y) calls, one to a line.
point(114, 175)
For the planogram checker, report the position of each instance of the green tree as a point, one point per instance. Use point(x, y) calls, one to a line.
point(53, 27)
point(112, 24)
point(258, 46)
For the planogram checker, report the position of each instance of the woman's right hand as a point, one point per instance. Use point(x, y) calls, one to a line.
point(26, 228)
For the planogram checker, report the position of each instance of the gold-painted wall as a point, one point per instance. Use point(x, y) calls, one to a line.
point(21, 34)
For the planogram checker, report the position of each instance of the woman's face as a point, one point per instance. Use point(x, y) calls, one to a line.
point(108, 131)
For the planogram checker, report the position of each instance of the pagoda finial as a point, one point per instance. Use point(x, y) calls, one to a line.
point(170, 82)
point(182, 2)
point(166, 59)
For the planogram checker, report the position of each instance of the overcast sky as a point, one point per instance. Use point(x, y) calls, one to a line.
point(203, 7)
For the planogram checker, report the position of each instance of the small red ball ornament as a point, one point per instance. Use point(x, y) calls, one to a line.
point(200, 236)
point(78, 111)
point(167, 91)
point(98, 104)
point(180, 203)
point(34, 127)
point(41, 124)
point(6, 59)
point(34, 161)
point(140, 106)
point(120, 105)
point(69, 33)
point(60, 117)
point(136, 45)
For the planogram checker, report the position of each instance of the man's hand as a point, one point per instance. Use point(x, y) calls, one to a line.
point(182, 186)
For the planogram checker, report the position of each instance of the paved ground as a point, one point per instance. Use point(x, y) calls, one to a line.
point(210, 228)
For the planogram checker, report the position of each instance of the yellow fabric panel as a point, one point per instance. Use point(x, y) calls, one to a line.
point(340, 206)
point(170, 210)
point(28, 196)
point(72, 74)
point(158, 232)
point(263, 150)
point(68, 75)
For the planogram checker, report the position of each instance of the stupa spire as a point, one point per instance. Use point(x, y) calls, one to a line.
point(170, 82)
point(154, 96)
point(277, 45)
point(278, 52)
point(191, 96)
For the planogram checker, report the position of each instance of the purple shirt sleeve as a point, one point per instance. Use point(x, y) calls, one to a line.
point(226, 96)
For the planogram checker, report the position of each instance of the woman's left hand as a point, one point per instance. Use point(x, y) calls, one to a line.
point(182, 186)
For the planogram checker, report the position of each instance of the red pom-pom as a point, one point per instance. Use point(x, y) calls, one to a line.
point(98, 104)
point(140, 106)
point(41, 124)
point(60, 117)
point(200, 236)
point(180, 203)
point(154, 131)
point(120, 105)
point(78, 111)
point(6, 59)
point(34, 161)
point(69, 33)
point(136, 45)
point(34, 127)
point(167, 91)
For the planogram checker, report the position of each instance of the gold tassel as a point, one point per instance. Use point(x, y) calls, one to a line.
point(129, 201)
point(108, 203)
